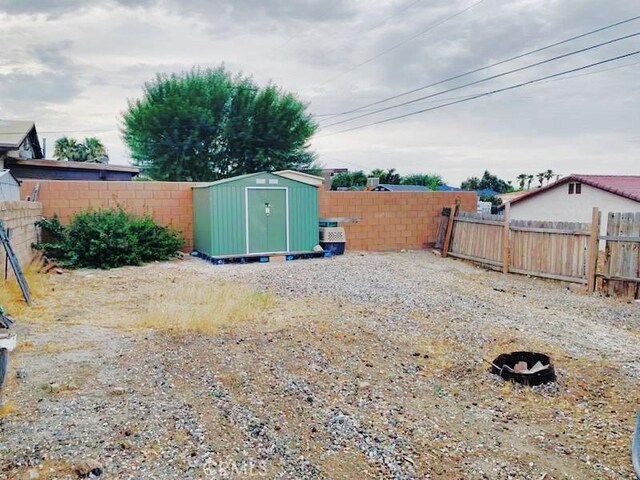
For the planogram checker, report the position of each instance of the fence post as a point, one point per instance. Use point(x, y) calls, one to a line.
point(506, 247)
point(592, 254)
point(447, 237)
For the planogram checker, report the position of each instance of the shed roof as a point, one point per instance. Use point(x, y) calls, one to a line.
point(401, 188)
point(301, 177)
point(627, 186)
point(7, 178)
point(249, 175)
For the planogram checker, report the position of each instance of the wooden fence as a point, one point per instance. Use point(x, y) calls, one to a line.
point(566, 251)
point(620, 272)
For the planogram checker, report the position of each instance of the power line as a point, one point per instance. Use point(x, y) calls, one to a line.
point(501, 62)
point(403, 42)
point(439, 100)
point(485, 94)
point(593, 73)
point(482, 80)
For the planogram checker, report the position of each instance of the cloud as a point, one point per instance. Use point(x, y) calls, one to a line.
point(54, 78)
point(72, 65)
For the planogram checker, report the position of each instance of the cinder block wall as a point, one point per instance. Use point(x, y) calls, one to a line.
point(169, 203)
point(19, 219)
point(391, 220)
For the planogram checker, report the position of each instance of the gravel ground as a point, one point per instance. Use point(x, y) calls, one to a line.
point(369, 366)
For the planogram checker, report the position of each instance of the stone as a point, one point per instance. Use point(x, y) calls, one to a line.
point(88, 468)
point(118, 391)
point(55, 387)
point(21, 374)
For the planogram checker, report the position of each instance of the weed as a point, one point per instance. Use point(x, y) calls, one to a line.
point(7, 408)
point(196, 306)
point(11, 296)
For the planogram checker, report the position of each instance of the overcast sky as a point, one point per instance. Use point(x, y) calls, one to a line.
point(71, 65)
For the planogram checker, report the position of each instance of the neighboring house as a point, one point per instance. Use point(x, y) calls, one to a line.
point(572, 198)
point(18, 139)
point(21, 153)
point(383, 187)
point(66, 170)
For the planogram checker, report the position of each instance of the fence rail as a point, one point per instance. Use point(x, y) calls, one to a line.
point(566, 251)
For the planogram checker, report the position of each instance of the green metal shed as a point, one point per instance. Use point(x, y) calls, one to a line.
point(259, 213)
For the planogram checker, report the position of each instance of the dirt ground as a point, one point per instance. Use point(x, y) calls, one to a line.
point(361, 366)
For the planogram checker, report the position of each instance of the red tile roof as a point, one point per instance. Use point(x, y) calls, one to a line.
point(627, 186)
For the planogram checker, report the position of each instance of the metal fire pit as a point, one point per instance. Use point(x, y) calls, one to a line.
point(504, 364)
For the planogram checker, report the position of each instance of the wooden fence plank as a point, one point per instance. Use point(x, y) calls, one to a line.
point(593, 250)
point(447, 237)
point(505, 239)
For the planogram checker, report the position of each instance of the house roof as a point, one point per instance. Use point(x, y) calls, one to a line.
point(62, 164)
point(627, 186)
point(486, 192)
point(448, 188)
point(14, 132)
point(401, 188)
point(506, 197)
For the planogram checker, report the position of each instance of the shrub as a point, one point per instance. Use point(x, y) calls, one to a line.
point(107, 239)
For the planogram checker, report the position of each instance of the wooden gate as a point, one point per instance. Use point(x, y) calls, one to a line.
point(621, 270)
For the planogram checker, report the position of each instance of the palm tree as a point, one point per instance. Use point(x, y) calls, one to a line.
point(96, 151)
point(91, 150)
point(522, 178)
point(391, 177)
point(65, 148)
point(541, 177)
point(529, 180)
point(548, 175)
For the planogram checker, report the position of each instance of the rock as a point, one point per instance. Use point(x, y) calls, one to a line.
point(88, 468)
point(363, 385)
point(118, 391)
point(55, 387)
point(21, 374)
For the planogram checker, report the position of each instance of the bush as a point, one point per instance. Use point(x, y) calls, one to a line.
point(107, 239)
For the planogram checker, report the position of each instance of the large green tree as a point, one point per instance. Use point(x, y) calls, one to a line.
point(430, 180)
point(488, 181)
point(207, 124)
point(357, 179)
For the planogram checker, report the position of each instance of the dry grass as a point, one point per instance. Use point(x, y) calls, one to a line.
point(8, 408)
point(11, 296)
point(199, 306)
